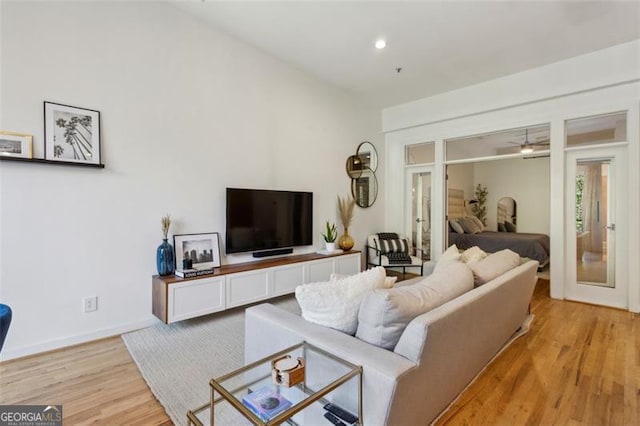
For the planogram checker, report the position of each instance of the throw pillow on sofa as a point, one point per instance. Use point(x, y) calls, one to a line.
point(473, 254)
point(494, 265)
point(452, 254)
point(335, 304)
point(388, 281)
point(384, 314)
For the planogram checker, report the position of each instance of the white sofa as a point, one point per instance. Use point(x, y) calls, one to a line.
point(438, 354)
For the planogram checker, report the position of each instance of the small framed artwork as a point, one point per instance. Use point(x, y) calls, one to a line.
point(71, 134)
point(202, 249)
point(15, 144)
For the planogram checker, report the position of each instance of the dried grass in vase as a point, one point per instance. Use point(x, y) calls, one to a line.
point(346, 205)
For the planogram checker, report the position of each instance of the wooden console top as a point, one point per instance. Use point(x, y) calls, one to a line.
point(250, 266)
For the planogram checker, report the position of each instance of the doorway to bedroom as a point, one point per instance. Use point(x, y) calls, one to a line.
point(501, 179)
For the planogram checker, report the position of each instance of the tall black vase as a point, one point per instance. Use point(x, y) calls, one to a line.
point(164, 258)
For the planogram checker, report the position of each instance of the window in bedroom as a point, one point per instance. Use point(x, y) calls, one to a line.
point(600, 129)
point(420, 153)
point(522, 141)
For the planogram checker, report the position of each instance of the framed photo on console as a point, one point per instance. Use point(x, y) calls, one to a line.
point(71, 134)
point(202, 249)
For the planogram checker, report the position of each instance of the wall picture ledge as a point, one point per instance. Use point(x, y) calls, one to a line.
point(71, 134)
point(15, 145)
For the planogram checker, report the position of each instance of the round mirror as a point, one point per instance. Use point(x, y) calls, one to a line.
point(364, 189)
point(368, 155)
point(354, 166)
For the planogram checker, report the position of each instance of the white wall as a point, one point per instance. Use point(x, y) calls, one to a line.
point(582, 73)
point(186, 111)
point(462, 176)
point(601, 82)
point(526, 181)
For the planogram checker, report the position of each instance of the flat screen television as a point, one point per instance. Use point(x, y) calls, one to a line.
point(263, 220)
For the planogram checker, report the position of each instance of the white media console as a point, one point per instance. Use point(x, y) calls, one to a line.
point(177, 299)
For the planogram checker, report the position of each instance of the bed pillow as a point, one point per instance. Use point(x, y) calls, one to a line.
point(384, 314)
point(478, 223)
point(453, 223)
point(493, 266)
point(510, 227)
point(473, 254)
point(452, 254)
point(335, 303)
point(468, 225)
point(501, 227)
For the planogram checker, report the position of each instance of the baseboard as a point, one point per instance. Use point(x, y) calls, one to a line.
point(13, 353)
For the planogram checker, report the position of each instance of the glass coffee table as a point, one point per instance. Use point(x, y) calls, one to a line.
point(327, 378)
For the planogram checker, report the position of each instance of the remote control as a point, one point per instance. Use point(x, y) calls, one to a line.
point(333, 419)
point(342, 413)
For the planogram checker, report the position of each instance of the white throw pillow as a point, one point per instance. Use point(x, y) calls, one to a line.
point(335, 303)
point(384, 314)
point(388, 281)
point(452, 254)
point(473, 254)
point(493, 266)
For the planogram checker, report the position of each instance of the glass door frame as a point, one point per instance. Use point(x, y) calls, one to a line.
point(408, 223)
point(616, 296)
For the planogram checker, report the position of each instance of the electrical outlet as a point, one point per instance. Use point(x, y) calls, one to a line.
point(91, 304)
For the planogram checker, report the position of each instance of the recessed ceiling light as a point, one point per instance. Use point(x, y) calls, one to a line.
point(381, 44)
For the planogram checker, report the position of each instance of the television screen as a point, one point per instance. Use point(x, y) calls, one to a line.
point(260, 219)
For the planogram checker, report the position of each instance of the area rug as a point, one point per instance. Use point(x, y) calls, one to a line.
point(178, 360)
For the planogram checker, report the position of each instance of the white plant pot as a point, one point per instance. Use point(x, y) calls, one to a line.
point(331, 246)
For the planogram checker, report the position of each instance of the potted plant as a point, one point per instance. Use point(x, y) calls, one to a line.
point(330, 233)
point(479, 209)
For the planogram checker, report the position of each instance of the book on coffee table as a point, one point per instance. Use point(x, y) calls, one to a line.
point(266, 402)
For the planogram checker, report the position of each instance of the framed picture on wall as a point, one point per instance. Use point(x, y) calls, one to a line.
point(14, 144)
point(202, 249)
point(71, 134)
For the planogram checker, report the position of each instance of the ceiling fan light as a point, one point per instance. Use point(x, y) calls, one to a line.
point(526, 149)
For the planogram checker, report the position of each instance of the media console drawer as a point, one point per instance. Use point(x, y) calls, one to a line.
point(195, 298)
point(247, 287)
point(177, 299)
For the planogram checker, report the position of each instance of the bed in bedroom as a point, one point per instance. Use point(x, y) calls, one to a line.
point(532, 246)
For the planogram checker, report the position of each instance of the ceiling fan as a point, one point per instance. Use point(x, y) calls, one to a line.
point(528, 147)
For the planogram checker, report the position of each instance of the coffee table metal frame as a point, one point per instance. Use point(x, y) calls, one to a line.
point(313, 395)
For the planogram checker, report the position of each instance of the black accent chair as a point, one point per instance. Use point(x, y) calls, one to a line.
point(375, 257)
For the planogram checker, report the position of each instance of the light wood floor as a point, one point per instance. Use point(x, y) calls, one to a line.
point(579, 364)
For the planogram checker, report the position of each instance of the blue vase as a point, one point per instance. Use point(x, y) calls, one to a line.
point(164, 258)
